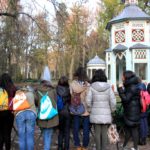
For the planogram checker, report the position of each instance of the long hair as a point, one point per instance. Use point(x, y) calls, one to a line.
point(81, 74)
point(7, 84)
point(128, 74)
point(63, 81)
point(99, 76)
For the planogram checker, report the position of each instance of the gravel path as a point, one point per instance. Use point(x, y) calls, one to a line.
point(39, 143)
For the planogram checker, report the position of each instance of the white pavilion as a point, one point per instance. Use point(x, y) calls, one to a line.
point(129, 44)
point(95, 64)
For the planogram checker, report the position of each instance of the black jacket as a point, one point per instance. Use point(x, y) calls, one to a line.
point(64, 92)
point(130, 96)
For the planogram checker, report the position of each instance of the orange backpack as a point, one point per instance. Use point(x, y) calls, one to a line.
point(3, 100)
point(20, 101)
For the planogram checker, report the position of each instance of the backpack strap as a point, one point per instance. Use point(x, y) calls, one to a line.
point(40, 93)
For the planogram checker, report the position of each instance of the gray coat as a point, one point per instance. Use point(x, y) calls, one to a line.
point(101, 102)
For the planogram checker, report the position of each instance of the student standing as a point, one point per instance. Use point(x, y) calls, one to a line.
point(101, 103)
point(63, 93)
point(47, 125)
point(80, 85)
point(6, 116)
point(130, 98)
point(26, 121)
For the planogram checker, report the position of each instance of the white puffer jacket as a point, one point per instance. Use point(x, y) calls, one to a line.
point(101, 102)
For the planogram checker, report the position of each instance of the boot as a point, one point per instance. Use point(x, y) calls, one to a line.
point(79, 148)
point(84, 148)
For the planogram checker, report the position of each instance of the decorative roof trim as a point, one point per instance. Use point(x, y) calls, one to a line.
point(109, 24)
point(131, 12)
point(139, 46)
point(119, 48)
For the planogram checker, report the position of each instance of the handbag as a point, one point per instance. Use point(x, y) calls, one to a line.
point(77, 109)
point(113, 135)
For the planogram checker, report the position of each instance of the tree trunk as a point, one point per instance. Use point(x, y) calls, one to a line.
point(72, 65)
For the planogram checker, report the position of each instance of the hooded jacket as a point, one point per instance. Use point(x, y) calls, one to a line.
point(101, 102)
point(81, 88)
point(130, 96)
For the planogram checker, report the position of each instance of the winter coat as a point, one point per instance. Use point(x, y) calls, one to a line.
point(52, 94)
point(78, 87)
point(101, 102)
point(130, 96)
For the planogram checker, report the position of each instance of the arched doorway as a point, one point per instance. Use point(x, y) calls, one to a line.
point(120, 67)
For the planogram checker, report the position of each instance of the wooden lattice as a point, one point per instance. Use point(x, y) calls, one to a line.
point(138, 35)
point(140, 54)
point(120, 36)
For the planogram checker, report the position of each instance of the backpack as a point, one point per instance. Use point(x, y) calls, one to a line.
point(145, 100)
point(75, 99)
point(20, 102)
point(76, 107)
point(46, 110)
point(3, 100)
point(60, 103)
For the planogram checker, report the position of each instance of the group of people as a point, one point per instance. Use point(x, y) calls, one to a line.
point(97, 97)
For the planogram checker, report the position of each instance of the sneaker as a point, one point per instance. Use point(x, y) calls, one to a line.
point(124, 148)
point(134, 148)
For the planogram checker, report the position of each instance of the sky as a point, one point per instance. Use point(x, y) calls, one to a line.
point(38, 5)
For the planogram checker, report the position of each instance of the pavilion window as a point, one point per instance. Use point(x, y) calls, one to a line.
point(141, 70)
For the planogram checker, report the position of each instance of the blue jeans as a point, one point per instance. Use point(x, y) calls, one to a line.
point(25, 122)
point(47, 137)
point(76, 128)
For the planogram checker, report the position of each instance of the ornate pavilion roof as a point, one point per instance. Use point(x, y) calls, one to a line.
point(130, 12)
point(139, 46)
point(119, 48)
point(96, 60)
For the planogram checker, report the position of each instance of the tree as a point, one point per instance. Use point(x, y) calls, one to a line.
point(108, 10)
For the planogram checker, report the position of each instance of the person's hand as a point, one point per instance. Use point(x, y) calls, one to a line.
point(113, 88)
point(120, 85)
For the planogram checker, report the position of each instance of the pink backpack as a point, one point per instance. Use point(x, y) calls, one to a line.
point(145, 100)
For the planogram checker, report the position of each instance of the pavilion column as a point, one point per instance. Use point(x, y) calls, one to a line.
point(113, 73)
point(148, 66)
point(91, 73)
point(87, 72)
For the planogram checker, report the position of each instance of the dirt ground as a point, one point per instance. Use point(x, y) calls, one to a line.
point(39, 142)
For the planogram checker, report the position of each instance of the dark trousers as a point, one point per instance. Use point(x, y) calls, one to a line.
point(143, 125)
point(6, 125)
point(101, 136)
point(79, 121)
point(131, 132)
point(64, 132)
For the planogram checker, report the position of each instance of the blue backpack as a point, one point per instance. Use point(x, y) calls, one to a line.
point(60, 103)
